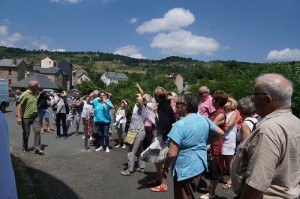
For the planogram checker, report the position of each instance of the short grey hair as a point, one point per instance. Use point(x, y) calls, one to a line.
point(278, 87)
point(246, 106)
point(205, 88)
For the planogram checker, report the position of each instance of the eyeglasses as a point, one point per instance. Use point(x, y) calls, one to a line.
point(201, 93)
point(257, 93)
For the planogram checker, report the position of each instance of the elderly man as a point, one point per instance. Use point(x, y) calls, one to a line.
point(205, 106)
point(267, 164)
point(27, 115)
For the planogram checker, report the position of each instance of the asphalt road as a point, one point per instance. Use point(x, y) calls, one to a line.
point(67, 170)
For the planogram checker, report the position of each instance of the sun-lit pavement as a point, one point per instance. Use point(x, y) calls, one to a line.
point(67, 170)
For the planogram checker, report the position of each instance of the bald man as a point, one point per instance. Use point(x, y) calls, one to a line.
point(205, 106)
point(267, 163)
point(27, 116)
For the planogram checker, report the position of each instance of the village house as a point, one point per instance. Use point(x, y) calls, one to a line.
point(79, 76)
point(67, 69)
point(14, 70)
point(56, 75)
point(113, 77)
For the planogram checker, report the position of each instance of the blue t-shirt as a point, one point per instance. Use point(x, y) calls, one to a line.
point(191, 134)
point(101, 111)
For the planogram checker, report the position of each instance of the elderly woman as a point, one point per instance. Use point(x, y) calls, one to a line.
point(247, 110)
point(218, 117)
point(137, 124)
point(102, 119)
point(187, 146)
point(229, 139)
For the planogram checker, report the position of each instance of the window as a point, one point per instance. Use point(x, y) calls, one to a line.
point(9, 71)
point(9, 81)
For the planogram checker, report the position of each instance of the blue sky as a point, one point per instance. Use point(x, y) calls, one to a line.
point(250, 31)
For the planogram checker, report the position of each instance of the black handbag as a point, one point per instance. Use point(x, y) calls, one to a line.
point(213, 171)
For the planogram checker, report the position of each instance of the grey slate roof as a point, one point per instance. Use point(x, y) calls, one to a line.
point(51, 70)
point(10, 62)
point(43, 81)
point(113, 75)
point(65, 66)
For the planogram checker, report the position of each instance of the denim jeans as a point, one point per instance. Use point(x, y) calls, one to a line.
point(103, 130)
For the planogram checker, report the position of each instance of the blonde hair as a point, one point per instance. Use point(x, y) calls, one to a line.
point(233, 103)
point(160, 92)
point(147, 98)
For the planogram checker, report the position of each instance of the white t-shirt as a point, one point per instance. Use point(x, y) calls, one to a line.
point(7, 180)
point(86, 110)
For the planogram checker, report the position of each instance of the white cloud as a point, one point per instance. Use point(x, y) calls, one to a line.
point(284, 55)
point(64, 1)
point(174, 19)
point(181, 42)
point(9, 39)
point(59, 50)
point(3, 30)
point(133, 20)
point(129, 51)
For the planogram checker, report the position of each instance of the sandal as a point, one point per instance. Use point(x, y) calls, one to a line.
point(49, 131)
point(227, 186)
point(159, 188)
point(154, 182)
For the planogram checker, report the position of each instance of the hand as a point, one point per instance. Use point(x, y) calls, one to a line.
point(136, 84)
point(19, 120)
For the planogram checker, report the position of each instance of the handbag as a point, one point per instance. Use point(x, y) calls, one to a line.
point(130, 137)
point(213, 171)
point(156, 152)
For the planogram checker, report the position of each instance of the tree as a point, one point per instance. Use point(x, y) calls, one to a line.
point(86, 87)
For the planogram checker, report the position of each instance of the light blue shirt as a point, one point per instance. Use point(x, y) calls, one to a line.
point(191, 134)
point(101, 111)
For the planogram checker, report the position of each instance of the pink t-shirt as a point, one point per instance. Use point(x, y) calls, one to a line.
point(205, 107)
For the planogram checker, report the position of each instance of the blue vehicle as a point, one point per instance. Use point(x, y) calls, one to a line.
point(4, 97)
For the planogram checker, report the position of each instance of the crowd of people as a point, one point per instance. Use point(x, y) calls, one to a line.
point(253, 140)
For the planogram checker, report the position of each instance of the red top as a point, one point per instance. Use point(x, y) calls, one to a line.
point(216, 144)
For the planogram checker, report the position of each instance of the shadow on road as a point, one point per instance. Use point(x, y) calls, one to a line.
point(34, 183)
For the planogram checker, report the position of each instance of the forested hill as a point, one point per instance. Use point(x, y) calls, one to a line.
point(236, 78)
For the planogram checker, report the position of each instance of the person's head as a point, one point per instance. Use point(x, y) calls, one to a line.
point(272, 92)
point(186, 103)
point(18, 92)
point(231, 104)
point(102, 95)
point(220, 98)
point(204, 92)
point(33, 86)
point(147, 98)
point(51, 93)
point(95, 94)
point(171, 96)
point(160, 94)
point(124, 103)
point(246, 107)
point(77, 95)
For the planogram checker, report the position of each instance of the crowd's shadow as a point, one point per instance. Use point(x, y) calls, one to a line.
point(40, 184)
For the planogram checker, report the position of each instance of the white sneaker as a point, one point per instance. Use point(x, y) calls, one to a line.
point(124, 146)
point(107, 150)
point(118, 146)
point(207, 196)
point(99, 149)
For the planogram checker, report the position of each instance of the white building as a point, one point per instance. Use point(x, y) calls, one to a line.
point(47, 63)
point(113, 77)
